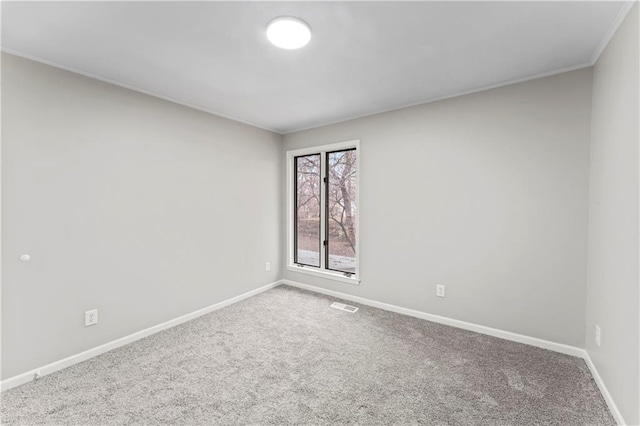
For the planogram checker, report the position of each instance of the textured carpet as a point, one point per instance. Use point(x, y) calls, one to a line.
point(286, 357)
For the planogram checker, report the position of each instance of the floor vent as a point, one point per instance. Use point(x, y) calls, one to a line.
point(343, 307)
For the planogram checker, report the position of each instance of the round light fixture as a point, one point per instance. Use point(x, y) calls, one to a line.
point(288, 32)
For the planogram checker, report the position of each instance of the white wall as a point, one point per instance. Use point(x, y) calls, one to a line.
point(143, 209)
point(485, 193)
point(613, 283)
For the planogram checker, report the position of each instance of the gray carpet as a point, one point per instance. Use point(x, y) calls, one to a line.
point(286, 357)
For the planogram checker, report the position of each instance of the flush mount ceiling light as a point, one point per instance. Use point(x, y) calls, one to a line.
point(288, 32)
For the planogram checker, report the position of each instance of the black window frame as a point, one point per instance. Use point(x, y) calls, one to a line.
point(295, 211)
point(326, 212)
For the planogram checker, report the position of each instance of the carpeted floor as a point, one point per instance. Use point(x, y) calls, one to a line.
point(286, 357)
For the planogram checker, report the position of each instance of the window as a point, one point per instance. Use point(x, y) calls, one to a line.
point(307, 210)
point(323, 211)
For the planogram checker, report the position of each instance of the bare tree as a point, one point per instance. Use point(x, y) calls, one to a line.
point(341, 203)
point(342, 182)
point(308, 202)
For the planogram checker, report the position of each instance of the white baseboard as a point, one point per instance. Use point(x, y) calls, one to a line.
point(520, 338)
point(533, 341)
point(603, 389)
point(23, 378)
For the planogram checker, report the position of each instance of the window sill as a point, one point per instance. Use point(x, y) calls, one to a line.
point(310, 270)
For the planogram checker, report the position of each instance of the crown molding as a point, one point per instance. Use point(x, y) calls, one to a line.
point(130, 87)
point(622, 14)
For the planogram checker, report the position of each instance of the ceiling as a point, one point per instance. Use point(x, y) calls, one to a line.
point(364, 57)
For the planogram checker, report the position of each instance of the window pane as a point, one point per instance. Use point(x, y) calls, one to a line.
point(341, 210)
point(307, 227)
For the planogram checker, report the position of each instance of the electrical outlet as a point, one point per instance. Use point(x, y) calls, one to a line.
point(91, 318)
point(597, 335)
point(267, 266)
point(440, 290)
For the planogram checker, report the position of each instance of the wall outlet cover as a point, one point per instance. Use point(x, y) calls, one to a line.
point(440, 291)
point(91, 317)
